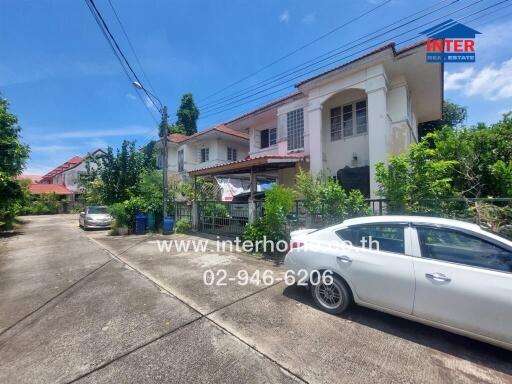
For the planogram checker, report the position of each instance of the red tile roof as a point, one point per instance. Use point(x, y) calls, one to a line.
point(251, 160)
point(382, 48)
point(39, 189)
point(71, 163)
point(179, 138)
point(273, 103)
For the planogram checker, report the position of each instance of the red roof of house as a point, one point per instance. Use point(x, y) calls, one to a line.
point(298, 94)
point(39, 189)
point(249, 161)
point(382, 48)
point(71, 163)
point(179, 138)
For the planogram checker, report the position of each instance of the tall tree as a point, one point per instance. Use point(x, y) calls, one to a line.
point(453, 115)
point(188, 114)
point(13, 156)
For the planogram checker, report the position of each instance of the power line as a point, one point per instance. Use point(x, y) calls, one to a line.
point(127, 68)
point(297, 50)
point(302, 66)
point(213, 109)
point(212, 113)
point(146, 78)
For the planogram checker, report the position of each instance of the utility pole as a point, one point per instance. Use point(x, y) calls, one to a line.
point(163, 134)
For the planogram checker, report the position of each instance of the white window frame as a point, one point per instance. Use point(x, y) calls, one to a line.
point(205, 155)
point(181, 160)
point(232, 154)
point(271, 132)
point(295, 129)
point(339, 130)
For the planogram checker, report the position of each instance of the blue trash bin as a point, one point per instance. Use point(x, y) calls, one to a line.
point(168, 225)
point(150, 222)
point(140, 224)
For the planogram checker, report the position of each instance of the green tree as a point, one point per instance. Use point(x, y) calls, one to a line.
point(119, 172)
point(13, 156)
point(188, 114)
point(450, 163)
point(177, 128)
point(453, 115)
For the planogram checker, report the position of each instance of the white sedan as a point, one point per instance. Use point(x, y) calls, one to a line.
point(445, 273)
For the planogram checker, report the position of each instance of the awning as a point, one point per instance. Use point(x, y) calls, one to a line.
point(254, 164)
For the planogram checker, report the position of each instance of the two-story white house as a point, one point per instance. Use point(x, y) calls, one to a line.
point(344, 121)
point(211, 147)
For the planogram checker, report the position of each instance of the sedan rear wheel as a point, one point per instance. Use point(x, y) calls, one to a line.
point(332, 298)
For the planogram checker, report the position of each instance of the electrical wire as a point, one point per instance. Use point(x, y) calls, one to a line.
point(297, 50)
point(302, 66)
point(146, 78)
point(223, 109)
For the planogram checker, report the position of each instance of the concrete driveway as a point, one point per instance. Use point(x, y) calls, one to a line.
point(84, 307)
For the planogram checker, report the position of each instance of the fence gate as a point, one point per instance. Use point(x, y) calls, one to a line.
point(223, 217)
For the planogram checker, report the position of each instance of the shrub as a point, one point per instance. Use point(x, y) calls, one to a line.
point(273, 224)
point(324, 198)
point(124, 212)
point(45, 204)
point(182, 226)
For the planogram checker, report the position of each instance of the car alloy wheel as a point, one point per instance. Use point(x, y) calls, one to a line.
point(333, 298)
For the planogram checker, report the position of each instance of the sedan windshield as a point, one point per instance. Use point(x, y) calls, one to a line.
point(97, 210)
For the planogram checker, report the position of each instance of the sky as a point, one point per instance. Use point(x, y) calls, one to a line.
point(71, 95)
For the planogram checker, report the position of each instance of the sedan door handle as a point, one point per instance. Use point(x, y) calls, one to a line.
point(437, 277)
point(344, 259)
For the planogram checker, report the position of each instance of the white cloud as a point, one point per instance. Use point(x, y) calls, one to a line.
point(309, 19)
point(284, 17)
point(131, 96)
point(52, 148)
point(493, 82)
point(453, 81)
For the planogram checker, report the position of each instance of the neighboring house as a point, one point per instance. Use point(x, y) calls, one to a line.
point(344, 121)
point(68, 174)
point(214, 146)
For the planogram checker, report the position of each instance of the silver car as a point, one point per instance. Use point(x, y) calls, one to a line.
point(445, 273)
point(95, 216)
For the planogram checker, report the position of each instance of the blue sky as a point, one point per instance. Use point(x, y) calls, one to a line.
point(71, 95)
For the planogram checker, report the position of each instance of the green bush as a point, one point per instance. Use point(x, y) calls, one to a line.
point(325, 199)
point(273, 224)
point(182, 226)
point(124, 213)
point(45, 204)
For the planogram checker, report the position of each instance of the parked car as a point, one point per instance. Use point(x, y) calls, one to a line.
point(95, 216)
point(445, 273)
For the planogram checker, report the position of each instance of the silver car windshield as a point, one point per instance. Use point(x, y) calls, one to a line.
point(97, 210)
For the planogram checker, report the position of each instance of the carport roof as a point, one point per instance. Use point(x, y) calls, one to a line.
point(257, 164)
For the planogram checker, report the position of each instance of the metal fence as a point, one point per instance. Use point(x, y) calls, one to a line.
point(223, 217)
point(183, 210)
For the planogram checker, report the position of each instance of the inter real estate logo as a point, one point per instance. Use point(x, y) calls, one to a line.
point(450, 42)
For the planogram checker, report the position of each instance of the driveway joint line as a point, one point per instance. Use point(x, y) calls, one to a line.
point(201, 316)
point(64, 291)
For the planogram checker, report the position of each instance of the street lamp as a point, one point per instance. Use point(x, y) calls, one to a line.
point(163, 135)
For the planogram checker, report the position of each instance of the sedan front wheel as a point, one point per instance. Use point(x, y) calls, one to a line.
point(333, 298)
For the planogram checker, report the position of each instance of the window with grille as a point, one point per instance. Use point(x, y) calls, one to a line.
point(361, 117)
point(232, 154)
point(349, 120)
point(295, 129)
point(180, 160)
point(205, 155)
point(336, 124)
